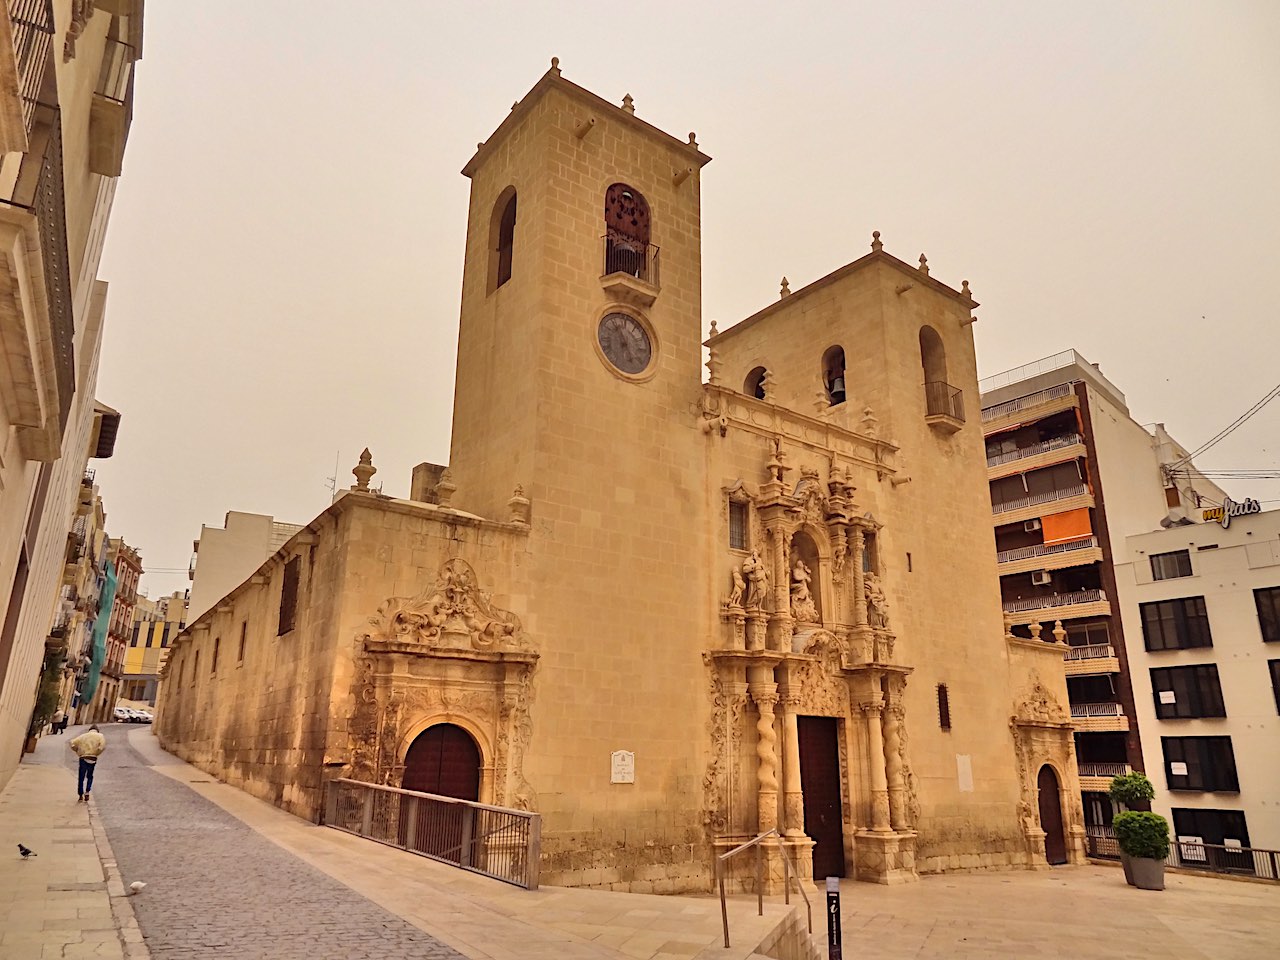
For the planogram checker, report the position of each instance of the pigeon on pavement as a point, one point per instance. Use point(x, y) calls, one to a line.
point(26, 851)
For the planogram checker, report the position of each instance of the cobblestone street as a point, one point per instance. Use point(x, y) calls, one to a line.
point(215, 887)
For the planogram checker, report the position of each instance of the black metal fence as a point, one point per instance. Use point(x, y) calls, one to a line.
point(494, 841)
point(635, 259)
point(942, 399)
point(1100, 841)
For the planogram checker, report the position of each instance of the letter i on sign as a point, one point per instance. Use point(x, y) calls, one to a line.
point(833, 918)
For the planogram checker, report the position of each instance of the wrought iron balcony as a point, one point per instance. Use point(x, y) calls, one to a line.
point(631, 270)
point(944, 406)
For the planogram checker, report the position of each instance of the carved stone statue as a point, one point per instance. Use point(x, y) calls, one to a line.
point(877, 602)
point(735, 592)
point(802, 605)
point(757, 580)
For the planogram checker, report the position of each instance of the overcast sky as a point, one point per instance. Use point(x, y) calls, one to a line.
point(286, 247)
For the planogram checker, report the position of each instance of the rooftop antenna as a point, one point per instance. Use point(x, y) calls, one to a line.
point(332, 482)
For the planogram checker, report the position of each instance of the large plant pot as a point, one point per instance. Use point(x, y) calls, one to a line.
point(1147, 874)
point(1128, 868)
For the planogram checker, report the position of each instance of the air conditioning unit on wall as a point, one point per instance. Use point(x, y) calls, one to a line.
point(1041, 578)
point(1031, 526)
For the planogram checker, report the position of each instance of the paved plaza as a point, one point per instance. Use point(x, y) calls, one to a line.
point(231, 877)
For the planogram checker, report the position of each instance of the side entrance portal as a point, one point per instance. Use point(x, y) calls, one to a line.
point(443, 760)
point(820, 781)
point(1055, 842)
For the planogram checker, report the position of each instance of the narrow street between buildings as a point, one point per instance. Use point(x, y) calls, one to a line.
point(215, 887)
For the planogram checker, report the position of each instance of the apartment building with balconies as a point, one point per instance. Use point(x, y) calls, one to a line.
point(1201, 607)
point(66, 94)
point(1072, 474)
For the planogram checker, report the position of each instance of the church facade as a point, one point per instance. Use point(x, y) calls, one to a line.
point(769, 590)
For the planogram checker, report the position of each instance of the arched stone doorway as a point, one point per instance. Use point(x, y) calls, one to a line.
point(1055, 841)
point(443, 760)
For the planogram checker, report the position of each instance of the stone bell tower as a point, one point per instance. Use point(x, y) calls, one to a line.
point(579, 378)
point(580, 211)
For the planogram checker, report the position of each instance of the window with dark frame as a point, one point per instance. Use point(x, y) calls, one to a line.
point(1200, 763)
point(944, 707)
point(1211, 826)
point(1274, 666)
point(195, 668)
point(737, 525)
point(244, 629)
point(1187, 692)
point(213, 666)
point(289, 596)
point(1267, 600)
point(1175, 624)
point(1171, 566)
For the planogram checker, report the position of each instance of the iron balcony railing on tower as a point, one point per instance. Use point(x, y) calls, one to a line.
point(633, 258)
point(944, 400)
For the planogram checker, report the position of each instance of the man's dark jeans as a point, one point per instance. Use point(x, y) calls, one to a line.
point(85, 779)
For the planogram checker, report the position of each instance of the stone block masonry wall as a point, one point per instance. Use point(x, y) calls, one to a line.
point(260, 722)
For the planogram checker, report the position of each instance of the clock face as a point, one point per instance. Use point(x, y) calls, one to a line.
point(625, 342)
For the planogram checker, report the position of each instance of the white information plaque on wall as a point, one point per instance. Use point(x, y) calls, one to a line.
point(622, 767)
point(964, 772)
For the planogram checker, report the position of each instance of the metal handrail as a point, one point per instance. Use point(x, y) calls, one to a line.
point(1023, 403)
point(1045, 549)
point(1045, 496)
point(788, 869)
point(1035, 449)
point(1054, 600)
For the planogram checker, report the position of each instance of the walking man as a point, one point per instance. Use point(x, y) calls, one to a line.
point(88, 747)
point(56, 722)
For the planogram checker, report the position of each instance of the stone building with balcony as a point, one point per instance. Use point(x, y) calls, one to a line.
point(667, 613)
point(1071, 475)
point(66, 93)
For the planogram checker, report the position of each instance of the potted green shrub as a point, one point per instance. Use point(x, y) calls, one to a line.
point(1133, 791)
point(1144, 837)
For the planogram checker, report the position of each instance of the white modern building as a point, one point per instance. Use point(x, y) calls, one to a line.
point(1201, 610)
point(225, 557)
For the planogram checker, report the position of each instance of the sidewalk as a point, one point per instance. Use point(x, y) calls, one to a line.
point(68, 900)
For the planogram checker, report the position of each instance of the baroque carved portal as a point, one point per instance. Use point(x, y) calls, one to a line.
point(446, 656)
point(1043, 735)
point(455, 612)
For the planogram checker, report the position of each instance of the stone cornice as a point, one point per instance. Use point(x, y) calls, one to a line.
point(772, 421)
point(878, 256)
point(552, 80)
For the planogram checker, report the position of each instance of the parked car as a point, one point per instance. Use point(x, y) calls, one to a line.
point(122, 715)
point(144, 716)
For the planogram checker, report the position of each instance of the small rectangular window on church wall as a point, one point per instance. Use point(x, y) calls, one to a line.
point(289, 597)
point(944, 707)
point(737, 526)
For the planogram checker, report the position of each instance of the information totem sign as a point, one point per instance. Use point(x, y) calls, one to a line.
point(833, 918)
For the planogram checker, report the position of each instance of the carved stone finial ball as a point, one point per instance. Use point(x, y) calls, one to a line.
point(555, 63)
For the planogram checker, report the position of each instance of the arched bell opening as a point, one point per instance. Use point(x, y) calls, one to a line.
point(833, 374)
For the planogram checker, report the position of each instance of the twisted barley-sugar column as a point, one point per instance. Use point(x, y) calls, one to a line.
point(859, 586)
point(765, 695)
point(879, 784)
point(893, 763)
point(792, 795)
